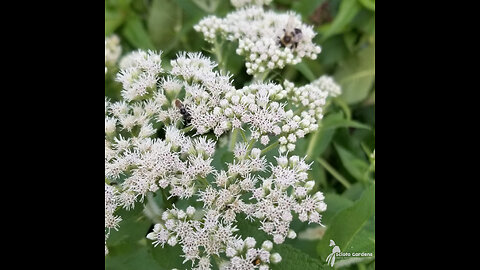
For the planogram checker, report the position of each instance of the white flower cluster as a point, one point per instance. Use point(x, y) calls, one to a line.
point(205, 236)
point(258, 33)
point(193, 96)
point(251, 105)
point(269, 200)
point(134, 161)
point(242, 3)
point(139, 74)
point(134, 119)
point(215, 105)
point(113, 50)
point(239, 191)
point(204, 90)
point(309, 101)
point(145, 165)
point(111, 204)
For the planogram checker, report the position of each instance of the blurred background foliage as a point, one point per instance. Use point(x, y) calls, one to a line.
point(341, 149)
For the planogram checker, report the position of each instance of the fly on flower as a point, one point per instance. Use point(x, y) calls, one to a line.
point(183, 111)
point(291, 35)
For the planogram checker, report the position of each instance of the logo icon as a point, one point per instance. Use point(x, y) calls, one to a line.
point(335, 250)
point(338, 255)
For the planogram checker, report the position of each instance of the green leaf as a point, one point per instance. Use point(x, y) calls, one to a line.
point(167, 257)
point(351, 39)
point(323, 136)
point(293, 258)
point(122, 4)
point(347, 124)
point(250, 228)
point(333, 51)
point(306, 71)
point(191, 9)
point(128, 247)
point(319, 142)
point(352, 140)
point(306, 8)
point(134, 31)
point(335, 203)
point(112, 87)
point(113, 20)
point(370, 4)
point(318, 174)
point(365, 21)
point(221, 156)
point(364, 241)
point(355, 192)
point(334, 123)
point(234, 61)
point(164, 22)
point(133, 257)
point(348, 11)
point(356, 75)
point(357, 167)
point(350, 224)
point(344, 106)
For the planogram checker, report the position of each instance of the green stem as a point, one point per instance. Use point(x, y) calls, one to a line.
point(312, 144)
point(243, 136)
point(217, 260)
point(342, 104)
point(209, 7)
point(334, 172)
point(233, 139)
point(269, 148)
point(218, 54)
point(327, 105)
point(299, 110)
point(261, 77)
point(167, 203)
point(265, 75)
point(272, 76)
point(204, 181)
point(250, 144)
point(187, 129)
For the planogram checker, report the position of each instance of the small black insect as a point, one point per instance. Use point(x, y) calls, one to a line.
point(183, 111)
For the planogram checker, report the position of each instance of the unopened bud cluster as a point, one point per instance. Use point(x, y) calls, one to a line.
point(328, 84)
point(113, 50)
point(243, 3)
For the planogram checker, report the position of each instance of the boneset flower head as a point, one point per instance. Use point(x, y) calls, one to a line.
point(164, 134)
point(259, 34)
